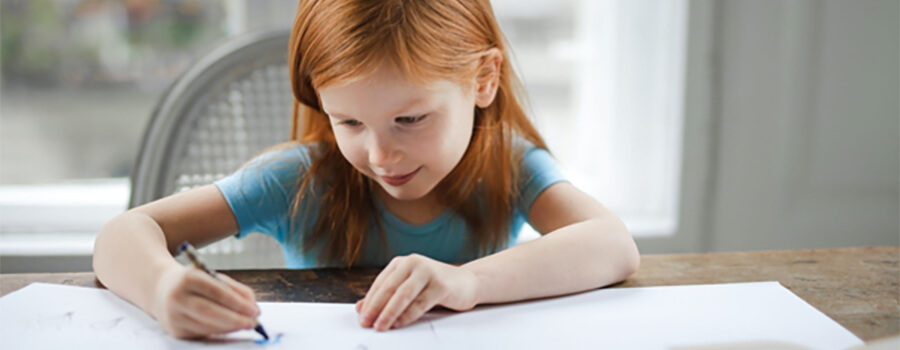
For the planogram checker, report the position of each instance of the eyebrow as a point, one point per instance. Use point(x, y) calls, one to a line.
point(413, 103)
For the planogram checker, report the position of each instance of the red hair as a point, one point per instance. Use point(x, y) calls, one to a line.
point(339, 41)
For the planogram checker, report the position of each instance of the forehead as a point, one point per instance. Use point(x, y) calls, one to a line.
point(385, 87)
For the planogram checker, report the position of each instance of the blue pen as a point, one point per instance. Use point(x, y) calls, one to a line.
point(191, 253)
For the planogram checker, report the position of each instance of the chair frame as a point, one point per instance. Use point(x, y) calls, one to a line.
point(164, 136)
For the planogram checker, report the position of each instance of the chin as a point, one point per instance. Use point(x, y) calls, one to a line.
point(404, 193)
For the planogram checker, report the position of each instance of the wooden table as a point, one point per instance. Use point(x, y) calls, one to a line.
point(857, 287)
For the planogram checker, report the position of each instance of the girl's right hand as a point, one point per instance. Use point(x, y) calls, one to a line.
point(188, 303)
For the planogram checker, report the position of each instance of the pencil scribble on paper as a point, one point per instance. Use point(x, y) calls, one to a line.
point(56, 321)
point(107, 324)
point(272, 341)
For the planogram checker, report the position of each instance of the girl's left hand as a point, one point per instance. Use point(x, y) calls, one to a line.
point(410, 286)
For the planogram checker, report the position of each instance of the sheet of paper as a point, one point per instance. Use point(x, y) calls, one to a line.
point(737, 316)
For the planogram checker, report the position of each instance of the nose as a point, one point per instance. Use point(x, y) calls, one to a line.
point(383, 152)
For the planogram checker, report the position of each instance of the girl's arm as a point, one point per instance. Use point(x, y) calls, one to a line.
point(133, 257)
point(584, 247)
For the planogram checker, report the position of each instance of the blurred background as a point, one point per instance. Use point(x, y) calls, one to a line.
point(706, 125)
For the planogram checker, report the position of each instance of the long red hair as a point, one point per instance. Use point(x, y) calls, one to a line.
point(338, 41)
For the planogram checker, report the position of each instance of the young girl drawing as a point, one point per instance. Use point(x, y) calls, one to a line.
point(414, 155)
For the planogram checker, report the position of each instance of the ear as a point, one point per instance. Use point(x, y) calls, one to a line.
point(488, 79)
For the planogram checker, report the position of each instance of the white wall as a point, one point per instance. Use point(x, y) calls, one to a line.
point(791, 126)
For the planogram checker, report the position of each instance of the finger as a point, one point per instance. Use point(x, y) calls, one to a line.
point(384, 286)
point(359, 305)
point(422, 304)
point(400, 300)
point(216, 318)
point(185, 326)
point(376, 299)
point(198, 328)
point(192, 327)
point(189, 329)
point(241, 289)
point(379, 280)
point(218, 291)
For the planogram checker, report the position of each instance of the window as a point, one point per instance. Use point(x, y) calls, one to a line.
point(605, 79)
point(80, 79)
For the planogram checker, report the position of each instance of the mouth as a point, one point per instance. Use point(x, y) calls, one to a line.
point(400, 179)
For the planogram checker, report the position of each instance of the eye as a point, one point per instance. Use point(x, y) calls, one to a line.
point(349, 122)
point(410, 120)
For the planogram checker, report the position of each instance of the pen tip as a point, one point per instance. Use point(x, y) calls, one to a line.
point(183, 246)
point(259, 329)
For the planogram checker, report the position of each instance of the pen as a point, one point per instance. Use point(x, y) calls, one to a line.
point(191, 253)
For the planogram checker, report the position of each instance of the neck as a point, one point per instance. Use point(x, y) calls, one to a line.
point(418, 211)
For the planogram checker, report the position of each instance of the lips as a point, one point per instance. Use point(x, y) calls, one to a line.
point(401, 179)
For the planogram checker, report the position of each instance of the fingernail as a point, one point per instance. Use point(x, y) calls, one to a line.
point(364, 319)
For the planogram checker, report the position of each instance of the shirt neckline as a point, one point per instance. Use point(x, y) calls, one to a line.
point(401, 226)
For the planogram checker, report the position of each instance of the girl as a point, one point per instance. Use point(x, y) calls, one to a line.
point(414, 154)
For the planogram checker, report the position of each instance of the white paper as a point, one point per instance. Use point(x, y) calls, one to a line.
point(738, 316)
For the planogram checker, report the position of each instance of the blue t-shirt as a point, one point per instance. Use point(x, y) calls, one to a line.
point(260, 196)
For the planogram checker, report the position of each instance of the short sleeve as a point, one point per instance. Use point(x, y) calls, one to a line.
point(261, 192)
point(539, 171)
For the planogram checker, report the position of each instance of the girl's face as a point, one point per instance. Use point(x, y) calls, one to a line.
point(405, 137)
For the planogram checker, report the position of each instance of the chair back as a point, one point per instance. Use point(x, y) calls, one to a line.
point(225, 109)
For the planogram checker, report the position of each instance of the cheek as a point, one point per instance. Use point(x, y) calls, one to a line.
point(448, 143)
point(351, 150)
